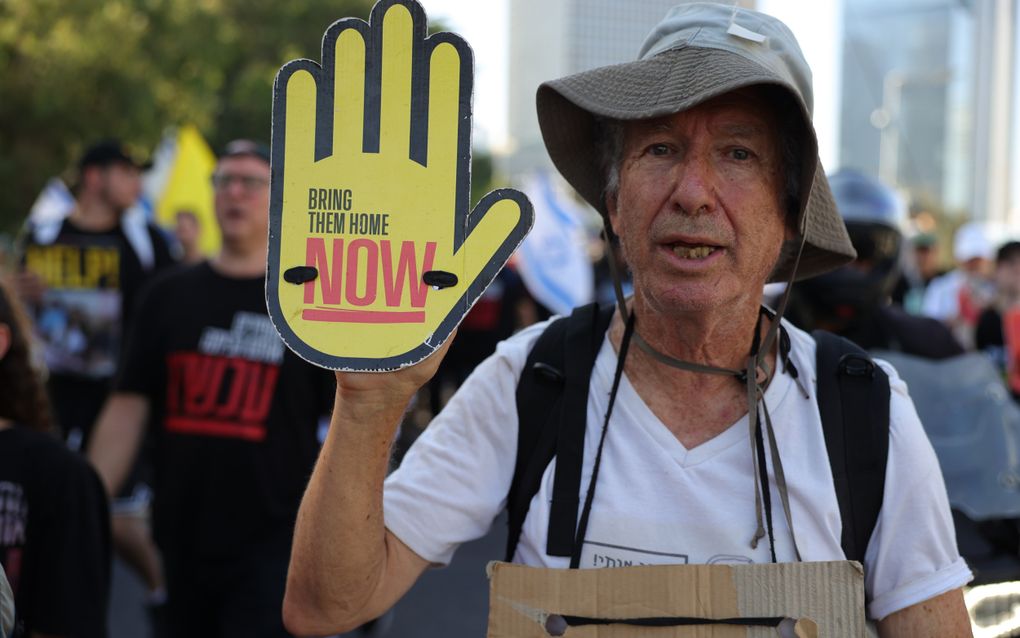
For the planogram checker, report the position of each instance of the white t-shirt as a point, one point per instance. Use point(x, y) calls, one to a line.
point(657, 502)
point(942, 296)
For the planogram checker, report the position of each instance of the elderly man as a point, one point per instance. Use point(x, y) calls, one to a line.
point(702, 158)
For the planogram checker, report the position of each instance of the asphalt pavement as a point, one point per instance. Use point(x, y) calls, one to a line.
point(452, 602)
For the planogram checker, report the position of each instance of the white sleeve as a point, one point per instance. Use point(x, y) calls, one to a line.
point(912, 555)
point(455, 478)
point(940, 298)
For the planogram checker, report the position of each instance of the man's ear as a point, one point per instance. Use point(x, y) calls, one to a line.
point(5, 339)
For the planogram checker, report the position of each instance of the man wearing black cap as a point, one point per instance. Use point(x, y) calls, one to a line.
point(81, 274)
point(704, 442)
point(235, 418)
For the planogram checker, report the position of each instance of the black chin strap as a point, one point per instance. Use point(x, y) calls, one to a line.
point(582, 526)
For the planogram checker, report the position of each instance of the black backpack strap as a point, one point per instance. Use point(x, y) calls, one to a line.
point(552, 397)
point(853, 400)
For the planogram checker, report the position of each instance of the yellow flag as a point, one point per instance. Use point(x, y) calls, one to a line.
point(189, 188)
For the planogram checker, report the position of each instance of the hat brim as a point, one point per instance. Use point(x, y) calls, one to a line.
point(668, 83)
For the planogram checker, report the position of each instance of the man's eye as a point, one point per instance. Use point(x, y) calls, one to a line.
point(740, 154)
point(658, 149)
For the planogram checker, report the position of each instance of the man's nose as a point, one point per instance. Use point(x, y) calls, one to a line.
point(694, 185)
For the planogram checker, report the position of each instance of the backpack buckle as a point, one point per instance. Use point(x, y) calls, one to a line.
point(855, 365)
point(547, 372)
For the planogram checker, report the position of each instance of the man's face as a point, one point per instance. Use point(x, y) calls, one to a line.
point(186, 228)
point(241, 184)
point(979, 267)
point(120, 185)
point(699, 208)
point(927, 258)
point(1007, 277)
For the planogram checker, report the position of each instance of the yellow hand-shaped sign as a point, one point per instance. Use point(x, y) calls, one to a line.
point(374, 257)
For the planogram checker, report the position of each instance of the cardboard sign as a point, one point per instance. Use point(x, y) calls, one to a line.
point(824, 599)
point(374, 253)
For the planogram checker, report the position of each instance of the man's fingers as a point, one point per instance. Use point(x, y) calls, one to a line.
point(444, 112)
point(395, 107)
point(349, 92)
point(299, 146)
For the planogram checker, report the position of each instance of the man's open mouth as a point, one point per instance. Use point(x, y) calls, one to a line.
point(686, 251)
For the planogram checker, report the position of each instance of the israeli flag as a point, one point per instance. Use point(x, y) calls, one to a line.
point(553, 260)
point(53, 204)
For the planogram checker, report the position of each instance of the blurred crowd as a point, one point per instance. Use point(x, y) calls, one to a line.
point(148, 408)
point(150, 411)
point(906, 292)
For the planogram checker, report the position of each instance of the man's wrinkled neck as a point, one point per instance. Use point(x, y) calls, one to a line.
point(720, 337)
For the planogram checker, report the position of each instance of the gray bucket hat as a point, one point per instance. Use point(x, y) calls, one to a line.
point(698, 51)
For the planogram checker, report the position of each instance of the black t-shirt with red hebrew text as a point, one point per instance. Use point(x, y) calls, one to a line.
point(236, 413)
point(54, 536)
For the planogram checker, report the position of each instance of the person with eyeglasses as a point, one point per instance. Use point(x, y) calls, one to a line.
point(235, 418)
point(249, 183)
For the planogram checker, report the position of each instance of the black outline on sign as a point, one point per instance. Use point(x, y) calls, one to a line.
point(465, 219)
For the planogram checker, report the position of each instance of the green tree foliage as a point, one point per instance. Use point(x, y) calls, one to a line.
point(72, 72)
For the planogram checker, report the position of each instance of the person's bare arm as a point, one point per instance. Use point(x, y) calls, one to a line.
point(345, 567)
point(29, 286)
point(117, 437)
point(944, 616)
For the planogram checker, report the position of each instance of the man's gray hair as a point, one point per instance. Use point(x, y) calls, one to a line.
point(610, 145)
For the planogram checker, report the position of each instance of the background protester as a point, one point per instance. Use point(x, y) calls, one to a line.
point(81, 274)
point(235, 418)
point(922, 266)
point(958, 297)
point(854, 301)
point(998, 327)
point(54, 521)
point(188, 233)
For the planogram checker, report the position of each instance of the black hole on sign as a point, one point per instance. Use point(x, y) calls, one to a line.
point(440, 279)
point(555, 625)
point(300, 274)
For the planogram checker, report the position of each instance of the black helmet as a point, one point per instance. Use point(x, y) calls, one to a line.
point(874, 214)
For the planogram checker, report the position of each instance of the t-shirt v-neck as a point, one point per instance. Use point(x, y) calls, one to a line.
point(631, 405)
